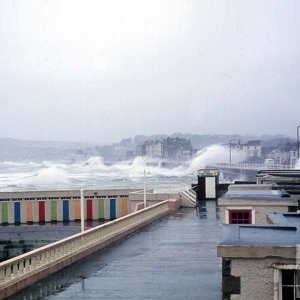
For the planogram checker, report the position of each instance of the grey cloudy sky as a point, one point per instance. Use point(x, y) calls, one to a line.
point(98, 71)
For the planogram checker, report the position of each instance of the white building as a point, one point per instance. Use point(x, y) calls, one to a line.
point(154, 149)
point(249, 150)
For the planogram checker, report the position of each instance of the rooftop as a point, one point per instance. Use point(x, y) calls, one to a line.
point(258, 197)
point(253, 143)
point(260, 187)
point(257, 193)
point(173, 258)
point(279, 173)
point(270, 235)
point(287, 219)
point(277, 240)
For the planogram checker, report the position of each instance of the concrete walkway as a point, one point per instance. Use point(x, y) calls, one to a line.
point(174, 258)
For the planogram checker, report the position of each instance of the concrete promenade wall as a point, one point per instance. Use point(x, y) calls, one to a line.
point(24, 270)
point(136, 198)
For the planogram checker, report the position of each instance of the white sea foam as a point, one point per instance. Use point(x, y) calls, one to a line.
point(94, 170)
point(50, 175)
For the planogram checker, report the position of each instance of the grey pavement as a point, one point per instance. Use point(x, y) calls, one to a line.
point(174, 258)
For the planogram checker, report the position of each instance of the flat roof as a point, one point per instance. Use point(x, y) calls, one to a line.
point(234, 187)
point(258, 196)
point(277, 240)
point(279, 172)
point(257, 193)
point(288, 219)
point(255, 235)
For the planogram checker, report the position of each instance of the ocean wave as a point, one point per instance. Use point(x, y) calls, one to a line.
point(94, 171)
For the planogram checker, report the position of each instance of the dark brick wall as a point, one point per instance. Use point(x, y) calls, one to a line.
point(230, 284)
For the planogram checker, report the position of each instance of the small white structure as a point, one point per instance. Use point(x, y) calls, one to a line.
point(207, 184)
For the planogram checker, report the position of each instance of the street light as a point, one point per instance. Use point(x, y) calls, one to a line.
point(298, 141)
point(230, 151)
point(145, 200)
point(82, 210)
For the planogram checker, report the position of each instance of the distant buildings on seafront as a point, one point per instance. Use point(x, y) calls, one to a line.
point(250, 150)
point(277, 150)
point(169, 148)
point(254, 151)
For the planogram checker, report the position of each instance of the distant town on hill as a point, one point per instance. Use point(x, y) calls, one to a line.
point(176, 147)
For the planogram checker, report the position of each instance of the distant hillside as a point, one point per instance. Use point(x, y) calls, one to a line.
point(21, 150)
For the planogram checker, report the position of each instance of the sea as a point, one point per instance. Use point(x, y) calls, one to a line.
point(90, 173)
point(94, 172)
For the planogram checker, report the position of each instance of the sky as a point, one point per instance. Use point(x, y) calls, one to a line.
point(99, 71)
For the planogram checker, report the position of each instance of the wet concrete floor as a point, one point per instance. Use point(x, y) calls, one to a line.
point(174, 258)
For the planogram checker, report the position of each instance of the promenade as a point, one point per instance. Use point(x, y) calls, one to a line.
point(174, 258)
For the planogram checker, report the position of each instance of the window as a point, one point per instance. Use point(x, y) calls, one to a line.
point(290, 284)
point(240, 217)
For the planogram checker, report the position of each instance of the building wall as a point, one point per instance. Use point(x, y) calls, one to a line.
point(262, 211)
point(154, 150)
point(259, 215)
point(256, 277)
point(251, 151)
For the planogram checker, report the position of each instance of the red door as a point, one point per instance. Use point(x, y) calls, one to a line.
point(89, 209)
point(41, 211)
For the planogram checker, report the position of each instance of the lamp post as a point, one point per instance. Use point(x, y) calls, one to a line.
point(298, 141)
point(145, 200)
point(82, 210)
point(230, 151)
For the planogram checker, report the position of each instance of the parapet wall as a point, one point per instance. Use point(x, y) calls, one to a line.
point(136, 198)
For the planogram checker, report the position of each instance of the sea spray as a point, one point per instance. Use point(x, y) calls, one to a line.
point(94, 172)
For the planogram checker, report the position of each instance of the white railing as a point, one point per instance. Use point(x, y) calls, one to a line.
point(190, 195)
point(179, 188)
point(26, 265)
point(255, 166)
point(154, 187)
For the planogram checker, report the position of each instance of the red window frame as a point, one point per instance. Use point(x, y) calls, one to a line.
point(240, 216)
